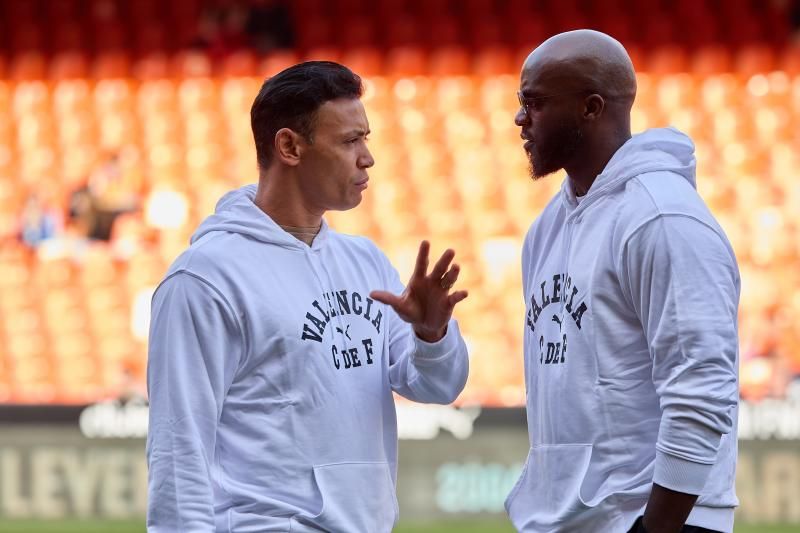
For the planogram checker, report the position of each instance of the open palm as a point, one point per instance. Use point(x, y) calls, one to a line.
point(427, 303)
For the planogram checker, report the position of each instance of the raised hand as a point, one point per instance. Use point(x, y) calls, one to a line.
point(427, 303)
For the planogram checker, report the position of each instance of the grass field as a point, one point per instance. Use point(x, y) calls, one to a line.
point(476, 526)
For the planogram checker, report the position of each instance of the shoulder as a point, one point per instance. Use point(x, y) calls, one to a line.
point(212, 260)
point(656, 195)
point(357, 244)
point(205, 256)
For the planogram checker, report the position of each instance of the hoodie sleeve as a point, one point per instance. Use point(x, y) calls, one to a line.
point(422, 371)
point(683, 283)
point(194, 349)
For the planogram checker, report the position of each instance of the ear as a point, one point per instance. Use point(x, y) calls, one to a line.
point(594, 105)
point(288, 146)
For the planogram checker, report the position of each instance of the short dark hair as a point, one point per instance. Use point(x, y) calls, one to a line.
point(291, 99)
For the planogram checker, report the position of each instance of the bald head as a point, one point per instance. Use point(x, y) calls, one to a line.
point(576, 92)
point(582, 60)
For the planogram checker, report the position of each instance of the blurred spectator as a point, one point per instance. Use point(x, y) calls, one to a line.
point(132, 387)
point(269, 26)
point(227, 26)
point(39, 221)
point(108, 193)
point(221, 29)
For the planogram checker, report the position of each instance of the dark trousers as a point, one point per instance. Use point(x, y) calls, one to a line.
point(637, 528)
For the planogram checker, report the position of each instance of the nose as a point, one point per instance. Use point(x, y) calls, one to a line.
point(521, 118)
point(366, 160)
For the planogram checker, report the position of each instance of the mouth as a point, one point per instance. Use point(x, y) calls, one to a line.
point(361, 184)
point(528, 142)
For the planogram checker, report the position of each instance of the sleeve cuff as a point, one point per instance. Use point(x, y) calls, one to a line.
point(432, 352)
point(679, 474)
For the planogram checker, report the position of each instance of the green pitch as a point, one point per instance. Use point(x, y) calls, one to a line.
point(475, 526)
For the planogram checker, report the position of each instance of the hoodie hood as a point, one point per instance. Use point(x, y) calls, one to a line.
point(657, 149)
point(236, 212)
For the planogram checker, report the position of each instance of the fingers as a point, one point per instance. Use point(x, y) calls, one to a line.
point(456, 297)
point(385, 297)
point(421, 267)
point(441, 265)
point(449, 279)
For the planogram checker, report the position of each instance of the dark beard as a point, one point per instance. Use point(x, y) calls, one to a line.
point(551, 155)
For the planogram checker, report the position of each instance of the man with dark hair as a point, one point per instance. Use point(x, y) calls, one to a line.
point(631, 289)
point(272, 359)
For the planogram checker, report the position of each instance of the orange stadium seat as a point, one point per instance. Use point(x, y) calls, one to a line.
point(402, 30)
point(493, 61)
point(789, 60)
point(111, 35)
point(365, 61)
point(191, 64)
point(68, 35)
point(154, 66)
point(668, 59)
point(313, 32)
point(710, 60)
point(30, 65)
point(240, 64)
point(450, 61)
point(754, 59)
point(323, 53)
point(277, 61)
point(150, 36)
point(361, 32)
point(441, 103)
point(405, 61)
point(69, 65)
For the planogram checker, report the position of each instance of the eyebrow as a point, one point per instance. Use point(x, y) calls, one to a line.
point(360, 133)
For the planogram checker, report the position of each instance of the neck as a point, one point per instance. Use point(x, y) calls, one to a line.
point(281, 200)
point(306, 235)
point(584, 170)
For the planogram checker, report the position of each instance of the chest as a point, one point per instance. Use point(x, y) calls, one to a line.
point(317, 319)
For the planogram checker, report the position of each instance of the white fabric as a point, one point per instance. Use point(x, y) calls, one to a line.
point(631, 347)
point(271, 375)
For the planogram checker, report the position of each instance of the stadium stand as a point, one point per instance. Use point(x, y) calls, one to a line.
point(102, 106)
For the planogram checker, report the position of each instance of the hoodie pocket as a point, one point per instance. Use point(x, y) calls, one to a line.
point(356, 498)
point(549, 488)
point(238, 522)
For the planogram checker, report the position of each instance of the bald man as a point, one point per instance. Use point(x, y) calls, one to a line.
point(631, 290)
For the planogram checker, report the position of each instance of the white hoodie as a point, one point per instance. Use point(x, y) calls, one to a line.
point(631, 348)
point(270, 376)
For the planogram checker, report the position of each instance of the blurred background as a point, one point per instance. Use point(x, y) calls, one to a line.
point(122, 123)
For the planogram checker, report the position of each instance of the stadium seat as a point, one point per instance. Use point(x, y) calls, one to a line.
point(364, 61)
point(754, 59)
point(449, 163)
point(450, 61)
point(111, 36)
point(361, 32)
point(152, 67)
point(240, 64)
point(485, 33)
point(493, 61)
point(666, 59)
point(277, 61)
point(323, 53)
point(314, 32)
point(191, 64)
point(406, 61)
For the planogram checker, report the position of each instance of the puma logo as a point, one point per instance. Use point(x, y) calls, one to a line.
point(344, 332)
point(557, 321)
